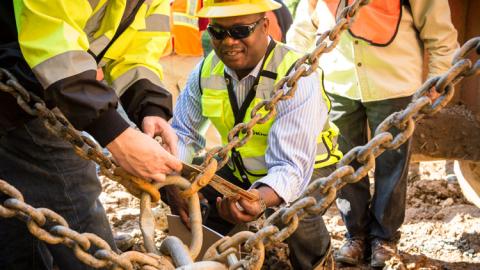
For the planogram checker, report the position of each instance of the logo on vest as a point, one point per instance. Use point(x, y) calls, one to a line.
point(259, 133)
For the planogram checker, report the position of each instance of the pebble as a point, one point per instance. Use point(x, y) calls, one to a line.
point(447, 202)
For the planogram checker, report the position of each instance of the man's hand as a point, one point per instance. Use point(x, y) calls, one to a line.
point(157, 126)
point(142, 156)
point(228, 209)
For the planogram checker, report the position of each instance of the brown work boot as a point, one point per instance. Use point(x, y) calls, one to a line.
point(351, 252)
point(382, 251)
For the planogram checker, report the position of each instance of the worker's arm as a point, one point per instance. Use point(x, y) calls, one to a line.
point(54, 45)
point(433, 21)
point(132, 64)
point(132, 67)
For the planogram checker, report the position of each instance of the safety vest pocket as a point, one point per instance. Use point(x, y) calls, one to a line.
point(212, 107)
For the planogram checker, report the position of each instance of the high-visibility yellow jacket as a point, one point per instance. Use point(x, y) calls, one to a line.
point(185, 31)
point(249, 159)
point(63, 42)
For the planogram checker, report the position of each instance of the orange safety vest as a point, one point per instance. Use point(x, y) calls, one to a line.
point(273, 28)
point(185, 32)
point(376, 23)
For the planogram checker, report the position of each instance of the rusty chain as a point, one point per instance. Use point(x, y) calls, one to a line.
point(88, 149)
point(83, 145)
point(58, 232)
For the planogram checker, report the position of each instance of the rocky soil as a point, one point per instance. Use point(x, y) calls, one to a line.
point(441, 229)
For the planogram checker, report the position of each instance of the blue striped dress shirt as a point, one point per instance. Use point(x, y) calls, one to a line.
point(291, 148)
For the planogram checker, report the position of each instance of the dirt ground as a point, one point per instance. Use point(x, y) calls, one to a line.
point(441, 229)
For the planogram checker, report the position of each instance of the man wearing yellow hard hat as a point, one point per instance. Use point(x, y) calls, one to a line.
point(278, 162)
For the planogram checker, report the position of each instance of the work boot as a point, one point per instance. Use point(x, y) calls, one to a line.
point(382, 251)
point(351, 252)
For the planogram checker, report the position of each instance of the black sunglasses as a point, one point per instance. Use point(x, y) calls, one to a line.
point(236, 32)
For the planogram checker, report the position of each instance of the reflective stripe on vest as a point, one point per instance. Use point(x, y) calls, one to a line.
point(185, 20)
point(217, 108)
point(185, 30)
point(376, 23)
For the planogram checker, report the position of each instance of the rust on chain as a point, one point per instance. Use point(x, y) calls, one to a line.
point(28, 210)
point(201, 180)
point(226, 246)
point(374, 146)
point(455, 73)
point(60, 233)
point(147, 222)
point(295, 208)
point(42, 234)
point(135, 185)
point(12, 192)
point(59, 125)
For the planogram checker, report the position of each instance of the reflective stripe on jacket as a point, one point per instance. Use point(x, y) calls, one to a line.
point(64, 41)
point(186, 34)
point(376, 22)
point(249, 160)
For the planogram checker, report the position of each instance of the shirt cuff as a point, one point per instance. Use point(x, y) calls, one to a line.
point(282, 188)
point(185, 153)
point(107, 127)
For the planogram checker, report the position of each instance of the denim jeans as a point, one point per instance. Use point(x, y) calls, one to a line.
point(382, 215)
point(49, 174)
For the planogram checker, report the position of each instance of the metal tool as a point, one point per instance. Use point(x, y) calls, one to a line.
point(219, 184)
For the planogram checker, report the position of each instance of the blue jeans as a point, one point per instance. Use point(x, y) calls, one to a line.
point(382, 215)
point(49, 174)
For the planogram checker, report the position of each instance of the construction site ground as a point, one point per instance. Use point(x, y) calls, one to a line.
point(441, 229)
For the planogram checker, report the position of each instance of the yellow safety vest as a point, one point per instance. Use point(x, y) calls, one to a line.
point(248, 161)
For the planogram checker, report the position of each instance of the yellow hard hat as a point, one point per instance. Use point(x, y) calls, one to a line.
point(232, 8)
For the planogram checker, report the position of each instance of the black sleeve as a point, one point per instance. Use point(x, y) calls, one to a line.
point(89, 105)
point(143, 98)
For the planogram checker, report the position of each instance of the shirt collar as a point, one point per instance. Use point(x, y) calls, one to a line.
point(253, 73)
